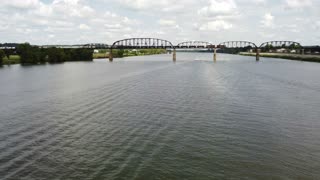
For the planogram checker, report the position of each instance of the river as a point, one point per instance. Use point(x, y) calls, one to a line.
point(149, 118)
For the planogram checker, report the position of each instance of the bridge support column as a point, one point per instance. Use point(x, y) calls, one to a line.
point(302, 51)
point(258, 54)
point(215, 55)
point(110, 55)
point(174, 55)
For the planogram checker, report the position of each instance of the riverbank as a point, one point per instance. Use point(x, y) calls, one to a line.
point(13, 59)
point(16, 59)
point(100, 55)
point(310, 58)
point(103, 54)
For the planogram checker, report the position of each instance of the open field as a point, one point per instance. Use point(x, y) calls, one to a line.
point(13, 59)
point(100, 55)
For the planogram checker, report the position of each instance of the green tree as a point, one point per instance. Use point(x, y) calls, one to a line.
point(268, 47)
point(2, 55)
point(42, 54)
point(294, 46)
point(56, 55)
point(118, 53)
point(28, 54)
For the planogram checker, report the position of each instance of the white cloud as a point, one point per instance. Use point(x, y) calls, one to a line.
point(84, 27)
point(317, 25)
point(73, 8)
point(267, 35)
point(25, 4)
point(218, 7)
point(145, 4)
point(259, 1)
point(215, 26)
point(167, 22)
point(298, 3)
point(164, 6)
point(110, 20)
point(268, 20)
point(113, 26)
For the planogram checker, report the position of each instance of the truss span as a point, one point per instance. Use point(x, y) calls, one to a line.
point(142, 43)
point(280, 44)
point(237, 44)
point(195, 44)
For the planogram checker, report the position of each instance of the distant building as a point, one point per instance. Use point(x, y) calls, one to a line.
point(282, 50)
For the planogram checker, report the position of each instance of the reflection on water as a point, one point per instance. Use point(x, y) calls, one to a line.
point(150, 118)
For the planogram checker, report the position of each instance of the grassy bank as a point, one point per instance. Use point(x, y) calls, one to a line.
point(13, 59)
point(118, 53)
point(310, 58)
point(100, 55)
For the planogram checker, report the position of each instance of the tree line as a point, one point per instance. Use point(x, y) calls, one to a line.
point(2, 55)
point(35, 55)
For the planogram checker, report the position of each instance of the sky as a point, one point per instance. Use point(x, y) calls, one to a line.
point(47, 22)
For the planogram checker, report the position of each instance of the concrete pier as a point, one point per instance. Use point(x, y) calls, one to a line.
point(215, 55)
point(110, 55)
point(258, 54)
point(174, 55)
point(302, 51)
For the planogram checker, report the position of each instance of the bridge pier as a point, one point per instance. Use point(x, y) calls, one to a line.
point(258, 54)
point(215, 55)
point(302, 51)
point(174, 55)
point(110, 55)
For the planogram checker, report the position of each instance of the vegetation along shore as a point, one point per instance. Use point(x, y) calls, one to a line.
point(28, 54)
point(310, 58)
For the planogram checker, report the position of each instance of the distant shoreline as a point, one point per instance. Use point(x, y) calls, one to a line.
point(299, 57)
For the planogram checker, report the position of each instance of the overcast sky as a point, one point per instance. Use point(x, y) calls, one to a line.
point(104, 21)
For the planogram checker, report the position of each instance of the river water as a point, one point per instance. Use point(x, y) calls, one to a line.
point(149, 118)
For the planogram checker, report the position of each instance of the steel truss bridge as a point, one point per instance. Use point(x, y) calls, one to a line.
point(237, 44)
point(142, 43)
point(280, 44)
point(145, 43)
point(195, 44)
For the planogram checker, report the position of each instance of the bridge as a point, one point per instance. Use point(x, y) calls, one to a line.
point(141, 43)
point(155, 43)
point(240, 45)
point(145, 43)
point(195, 44)
point(272, 45)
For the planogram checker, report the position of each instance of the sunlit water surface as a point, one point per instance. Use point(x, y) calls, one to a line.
point(150, 118)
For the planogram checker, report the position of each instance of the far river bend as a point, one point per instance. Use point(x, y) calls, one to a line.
point(149, 118)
